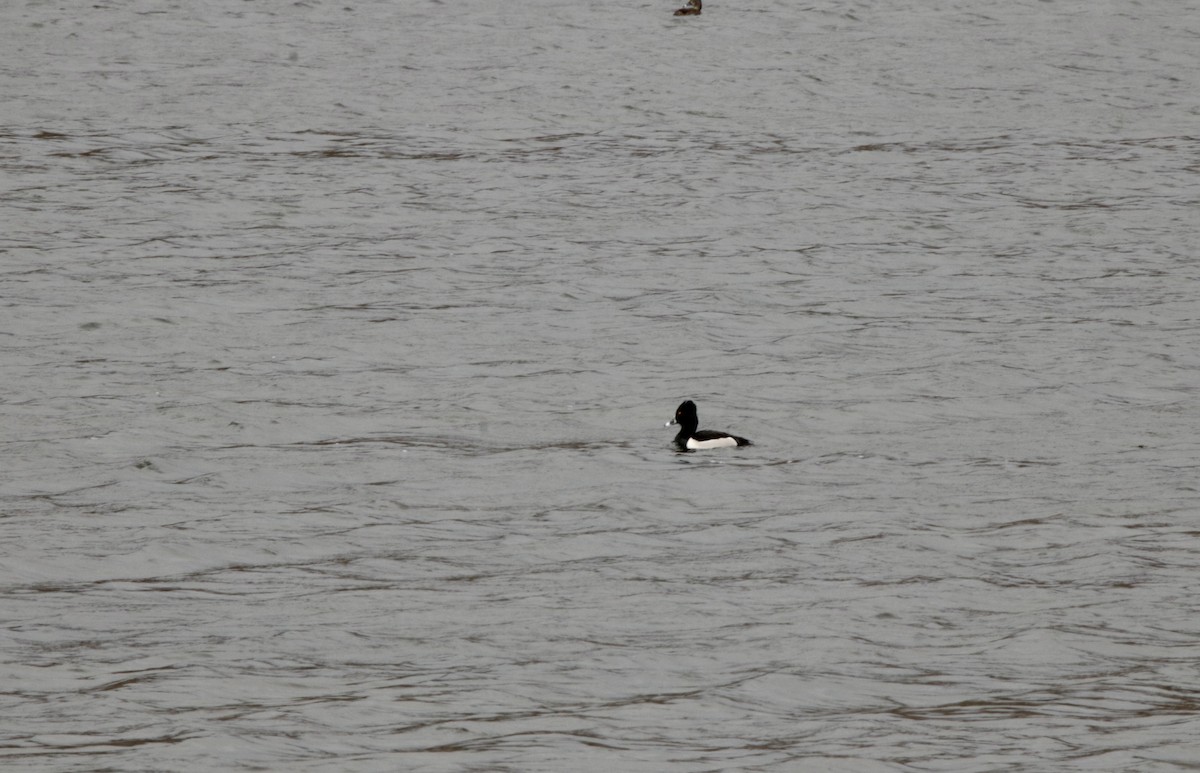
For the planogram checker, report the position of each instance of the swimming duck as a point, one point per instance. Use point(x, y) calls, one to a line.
point(689, 439)
point(692, 9)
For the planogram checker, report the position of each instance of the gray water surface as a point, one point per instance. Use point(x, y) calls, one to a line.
point(338, 339)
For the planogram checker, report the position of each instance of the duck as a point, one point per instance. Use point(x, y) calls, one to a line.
point(691, 9)
point(689, 439)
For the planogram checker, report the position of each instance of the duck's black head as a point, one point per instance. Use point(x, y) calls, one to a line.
point(685, 415)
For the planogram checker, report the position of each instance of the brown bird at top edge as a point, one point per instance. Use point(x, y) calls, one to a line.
point(692, 9)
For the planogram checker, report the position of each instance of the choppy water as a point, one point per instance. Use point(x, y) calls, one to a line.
point(338, 340)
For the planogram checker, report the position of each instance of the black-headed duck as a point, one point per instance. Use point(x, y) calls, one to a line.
point(691, 439)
